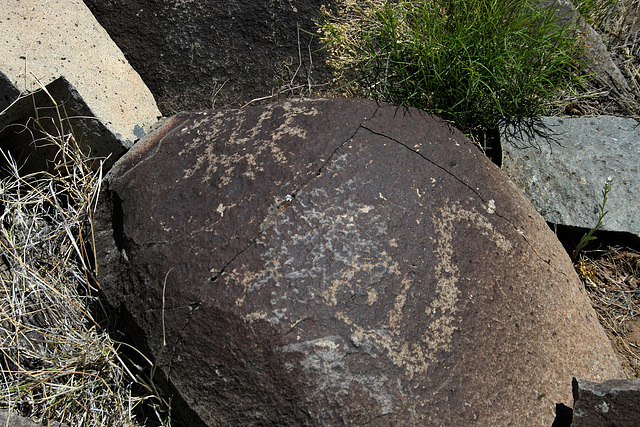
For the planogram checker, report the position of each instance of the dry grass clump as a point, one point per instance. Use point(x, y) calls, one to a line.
point(57, 360)
point(612, 280)
point(618, 23)
point(621, 34)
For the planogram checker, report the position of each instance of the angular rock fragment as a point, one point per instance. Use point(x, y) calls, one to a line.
point(610, 403)
point(330, 262)
point(59, 45)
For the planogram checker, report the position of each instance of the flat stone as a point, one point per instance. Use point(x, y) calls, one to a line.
point(330, 262)
point(610, 403)
point(562, 164)
point(58, 44)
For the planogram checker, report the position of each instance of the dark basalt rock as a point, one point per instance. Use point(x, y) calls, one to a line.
point(610, 403)
point(194, 53)
point(335, 262)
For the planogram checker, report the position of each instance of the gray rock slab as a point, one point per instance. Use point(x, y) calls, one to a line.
point(60, 43)
point(561, 164)
point(610, 403)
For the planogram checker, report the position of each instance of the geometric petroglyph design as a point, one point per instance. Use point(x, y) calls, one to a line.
point(245, 135)
point(362, 267)
point(439, 315)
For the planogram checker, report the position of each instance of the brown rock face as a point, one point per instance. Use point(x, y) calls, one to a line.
point(335, 262)
point(194, 53)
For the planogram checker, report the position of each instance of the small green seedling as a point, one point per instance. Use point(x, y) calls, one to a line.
point(588, 237)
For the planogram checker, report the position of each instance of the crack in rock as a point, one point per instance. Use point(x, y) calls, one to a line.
point(266, 224)
point(284, 204)
point(192, 308)
point(518, 230)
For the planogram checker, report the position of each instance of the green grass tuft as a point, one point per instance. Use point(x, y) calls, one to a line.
point(471, 62)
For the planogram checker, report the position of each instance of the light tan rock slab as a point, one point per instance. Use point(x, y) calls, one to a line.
point(43, 42)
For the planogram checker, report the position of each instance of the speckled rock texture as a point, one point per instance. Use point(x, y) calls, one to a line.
point(562, 164)
point(331, 262)
point(10, 419)
point(218, 53)
point(610, 403)
point(60, 45)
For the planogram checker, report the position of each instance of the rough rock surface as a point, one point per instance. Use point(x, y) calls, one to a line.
point(330, 262)
point(8, 418)
point(610, 403)
point(562, 164)
point(60, 44)
point(194, 54)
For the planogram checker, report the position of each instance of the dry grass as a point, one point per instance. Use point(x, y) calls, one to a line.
point(57, 360)
point(619, 26)
point(618, 23)
point(612, 280)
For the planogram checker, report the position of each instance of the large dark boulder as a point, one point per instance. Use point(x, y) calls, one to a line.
point(192, 53)
point(611, 403)
point(336, 262)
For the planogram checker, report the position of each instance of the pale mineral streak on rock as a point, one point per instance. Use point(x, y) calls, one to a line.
point(257, 156)
point(491, 206)
point(222, 208)
point(289, 128)
point(372, 296)
point(359, 254)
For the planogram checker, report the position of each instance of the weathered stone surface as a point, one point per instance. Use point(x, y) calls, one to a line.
point(562, 164)
point(337, 262)
point(192, 53)
point(610, 403)
point(59, 44)
point(10, 419)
